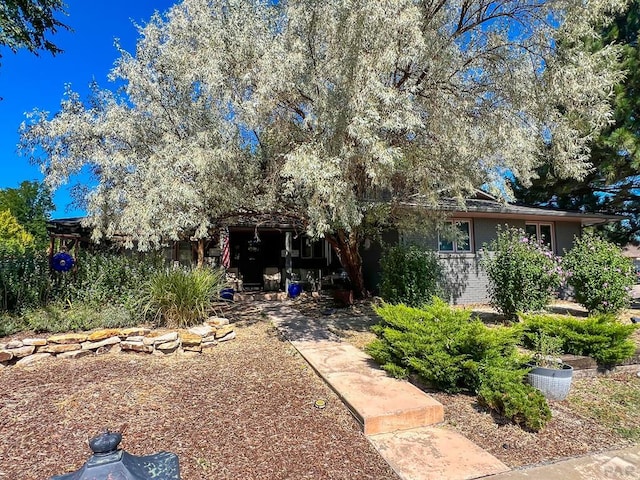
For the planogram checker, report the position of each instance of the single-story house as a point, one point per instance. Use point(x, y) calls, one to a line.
point(266, 252)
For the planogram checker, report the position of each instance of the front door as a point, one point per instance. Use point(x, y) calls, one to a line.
point(250, 262)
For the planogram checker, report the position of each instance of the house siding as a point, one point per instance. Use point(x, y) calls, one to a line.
point(565, 234)
point(464, 280)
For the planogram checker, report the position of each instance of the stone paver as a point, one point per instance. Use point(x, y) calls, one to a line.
point(620, 464)
point(380, 403)
point(394, 414)
point(434, 453)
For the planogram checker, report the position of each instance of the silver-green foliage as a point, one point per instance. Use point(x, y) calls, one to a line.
point(181, 297)
point(316, 107)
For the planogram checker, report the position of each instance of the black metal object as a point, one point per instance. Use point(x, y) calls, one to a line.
point(109, 462)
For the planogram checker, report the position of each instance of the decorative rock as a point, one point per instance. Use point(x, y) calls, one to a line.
point(30, 359)
point(129, 332)
point(5, 356)
point(206, 345)
point(217, 321)
point(188, 354)
point(14, 344)
point(23, 351)
point(135, 338)
point(193, 348)
point(3, 346)
point(114, 348)
point(37, 342)
point(168, 346)
point(209, 339)
point(202, 330)
point(135, 347)
point(164, 338)
point(189, 339)
point(68, 338)
point(221, 332)
point(103, 334)
point(59, 348)
point(228, 336)
point(103, 343)
point(76, 354)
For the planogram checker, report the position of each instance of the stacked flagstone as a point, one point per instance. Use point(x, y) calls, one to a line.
point(115, 340)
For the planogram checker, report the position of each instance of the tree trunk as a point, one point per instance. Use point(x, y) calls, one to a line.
point(346, 245)
point(201, 252)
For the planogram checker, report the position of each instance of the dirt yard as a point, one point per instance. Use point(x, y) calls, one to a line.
point(245, 410)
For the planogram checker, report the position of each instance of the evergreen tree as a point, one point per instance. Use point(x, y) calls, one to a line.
point(26, 23)
point(613, 185)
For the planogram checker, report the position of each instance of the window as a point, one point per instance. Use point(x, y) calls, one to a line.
point(542, 232)
point(457, 239)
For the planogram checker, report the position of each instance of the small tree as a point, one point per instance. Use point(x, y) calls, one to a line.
point(599, 274)
point(14, 239)
point(410, 275)
point(523, 273)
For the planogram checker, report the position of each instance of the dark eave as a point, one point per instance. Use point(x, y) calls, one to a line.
point(481, 207)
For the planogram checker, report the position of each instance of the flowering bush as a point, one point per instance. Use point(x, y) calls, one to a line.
point(599, 274)
point(523, 273)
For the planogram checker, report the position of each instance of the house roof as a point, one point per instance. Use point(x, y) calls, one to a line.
point(484, 205)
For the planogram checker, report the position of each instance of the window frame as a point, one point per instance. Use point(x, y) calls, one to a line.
point(454, 242)
point(538, 224)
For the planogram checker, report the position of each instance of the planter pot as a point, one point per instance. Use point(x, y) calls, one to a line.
point(554, 383)
point(227, 293)
point(295, 289)
point(344, 297)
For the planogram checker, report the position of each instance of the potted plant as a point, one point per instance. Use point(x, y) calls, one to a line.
point(549, 373)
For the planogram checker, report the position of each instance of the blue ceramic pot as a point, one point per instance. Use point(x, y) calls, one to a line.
point(295, 289)
point(226, 293)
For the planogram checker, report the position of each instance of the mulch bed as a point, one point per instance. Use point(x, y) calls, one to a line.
point(245, 410)
point(568, 434)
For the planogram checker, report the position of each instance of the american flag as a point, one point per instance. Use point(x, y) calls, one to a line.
point(226, 250)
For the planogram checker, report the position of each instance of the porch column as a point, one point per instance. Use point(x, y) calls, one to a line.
point(288, 246)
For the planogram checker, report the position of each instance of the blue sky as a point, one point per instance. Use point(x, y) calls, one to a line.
point(28, 81)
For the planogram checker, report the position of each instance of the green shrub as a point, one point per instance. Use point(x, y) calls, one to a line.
point(109, 277)
point(410, 275)
point(450, 351)
point(57, 317)
point(600, 275)
point(600, 337)
point(24, 281)
point(10, 324)
point(523, 273)
point(181, 297)
point(504, 391)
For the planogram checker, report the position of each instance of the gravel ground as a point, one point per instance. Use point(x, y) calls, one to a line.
point(245, 410)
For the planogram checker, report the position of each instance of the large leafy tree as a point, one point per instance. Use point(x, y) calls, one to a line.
point(28, 23)
point(613, 184)
point(319, 109)
point(30, 205)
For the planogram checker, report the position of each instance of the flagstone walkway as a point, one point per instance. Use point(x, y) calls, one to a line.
point(400, 420)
